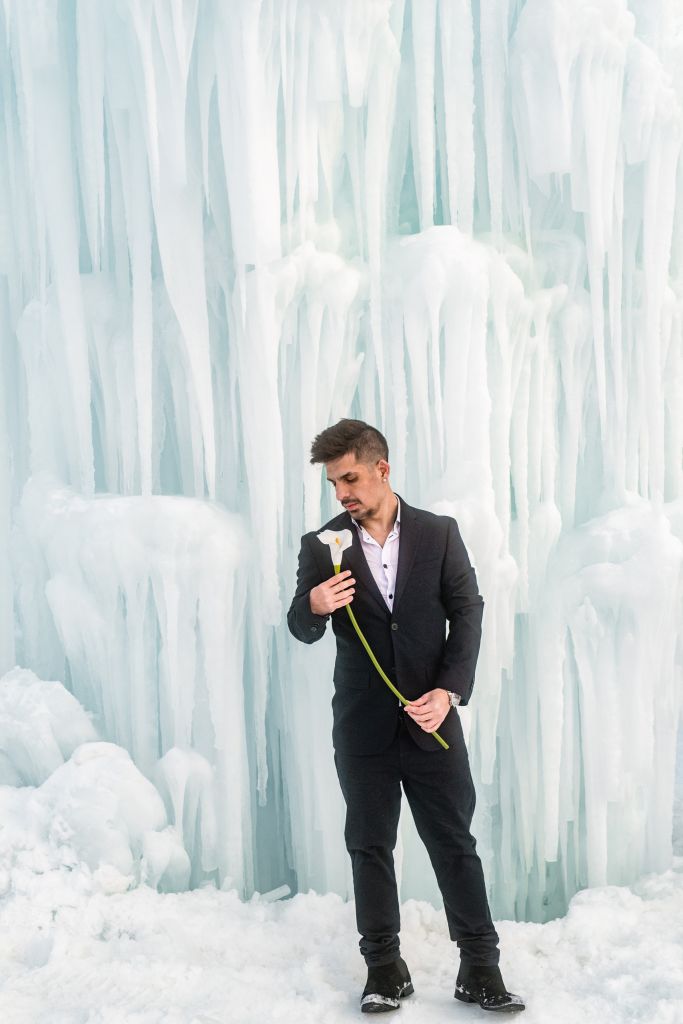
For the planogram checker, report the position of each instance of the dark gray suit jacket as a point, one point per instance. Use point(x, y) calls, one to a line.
point(435, 585)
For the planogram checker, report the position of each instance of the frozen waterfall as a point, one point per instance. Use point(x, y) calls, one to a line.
point(222, 227)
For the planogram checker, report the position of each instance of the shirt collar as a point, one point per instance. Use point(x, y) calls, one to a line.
point(397, 523)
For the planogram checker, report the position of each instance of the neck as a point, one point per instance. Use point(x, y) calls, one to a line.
point(385, 516)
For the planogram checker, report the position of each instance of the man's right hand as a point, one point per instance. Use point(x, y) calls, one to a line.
point(332, 594)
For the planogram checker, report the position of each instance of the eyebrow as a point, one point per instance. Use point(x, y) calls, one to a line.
point(351, 472)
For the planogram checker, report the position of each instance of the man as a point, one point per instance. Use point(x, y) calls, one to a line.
point(407, 572)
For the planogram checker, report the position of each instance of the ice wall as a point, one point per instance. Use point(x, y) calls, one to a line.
point(223, 226)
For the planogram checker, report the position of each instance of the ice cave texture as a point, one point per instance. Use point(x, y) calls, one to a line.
point(224, 225)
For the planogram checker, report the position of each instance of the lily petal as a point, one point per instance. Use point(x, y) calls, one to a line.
point(337, 541)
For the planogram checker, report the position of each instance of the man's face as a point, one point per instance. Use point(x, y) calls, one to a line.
point(358, 485)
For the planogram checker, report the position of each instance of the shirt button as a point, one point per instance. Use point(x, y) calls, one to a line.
point(391, 595)
point(394, 625)
point(385, 565)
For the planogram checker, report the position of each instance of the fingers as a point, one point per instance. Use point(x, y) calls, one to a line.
point(340, 581)
point(429, 703)
point(340, 589)
point(420, 714)
point(430, 725)
point(338, 585)
point(422, 719)
point(426, 711)
point(428, 721)
point(422, 706)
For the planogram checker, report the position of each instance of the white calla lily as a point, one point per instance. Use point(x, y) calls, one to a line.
point(338, 541)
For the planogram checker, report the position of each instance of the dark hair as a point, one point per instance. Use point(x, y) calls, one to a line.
point(366, 443)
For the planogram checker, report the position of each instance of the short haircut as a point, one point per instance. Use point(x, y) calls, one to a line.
point(347, 436)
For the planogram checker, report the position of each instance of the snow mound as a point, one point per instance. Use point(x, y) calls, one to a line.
point(41, 724)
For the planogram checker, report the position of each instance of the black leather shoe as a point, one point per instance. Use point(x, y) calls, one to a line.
point(385, 987)
point(484, 985)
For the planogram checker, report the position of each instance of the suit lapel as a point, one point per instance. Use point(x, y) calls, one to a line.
point(409, 537)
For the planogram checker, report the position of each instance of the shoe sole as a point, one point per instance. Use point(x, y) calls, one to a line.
point(384, 1004)
point(465, 997)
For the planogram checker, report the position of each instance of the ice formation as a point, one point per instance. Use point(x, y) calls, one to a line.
point(41, 724)
point(84, 810)
point(226, 225)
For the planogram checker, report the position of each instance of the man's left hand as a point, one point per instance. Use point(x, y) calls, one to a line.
point(429, 710)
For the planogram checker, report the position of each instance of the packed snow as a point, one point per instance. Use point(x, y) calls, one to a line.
point(73, 954)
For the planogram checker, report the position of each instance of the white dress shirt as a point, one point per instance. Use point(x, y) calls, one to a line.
point(383, 561)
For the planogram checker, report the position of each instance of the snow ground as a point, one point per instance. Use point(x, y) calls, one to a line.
point(205, 957)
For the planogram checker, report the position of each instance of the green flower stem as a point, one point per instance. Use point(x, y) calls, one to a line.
point(377, 665)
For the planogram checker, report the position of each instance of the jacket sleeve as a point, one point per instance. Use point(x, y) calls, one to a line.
point(304, 624)
point(464, 610)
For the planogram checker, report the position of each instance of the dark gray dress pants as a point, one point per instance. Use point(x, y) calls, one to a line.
point(439, 788)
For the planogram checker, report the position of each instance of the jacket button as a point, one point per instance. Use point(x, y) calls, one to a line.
point(313, 629)
point(394, 625)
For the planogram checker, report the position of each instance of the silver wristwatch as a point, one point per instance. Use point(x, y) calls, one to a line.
point(454, 698)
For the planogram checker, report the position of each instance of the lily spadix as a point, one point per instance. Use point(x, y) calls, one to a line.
point(338, 541)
